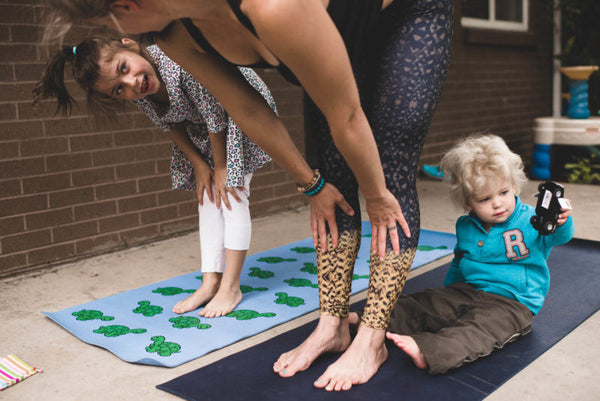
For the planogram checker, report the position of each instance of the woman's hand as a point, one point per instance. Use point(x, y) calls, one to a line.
point(322, 213)
point(384, 213)
point(221, 190)
point(204, 177)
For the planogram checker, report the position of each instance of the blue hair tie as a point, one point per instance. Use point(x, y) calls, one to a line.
point(74, 49)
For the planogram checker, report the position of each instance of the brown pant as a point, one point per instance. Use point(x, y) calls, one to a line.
point(458, 324)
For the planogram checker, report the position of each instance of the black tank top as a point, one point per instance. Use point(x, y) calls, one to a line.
point(353, 19)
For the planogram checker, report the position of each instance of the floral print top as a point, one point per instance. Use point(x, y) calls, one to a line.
point(193, 106)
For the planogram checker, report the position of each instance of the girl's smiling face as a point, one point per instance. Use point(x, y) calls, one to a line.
point(126, 75)
point(493, 204)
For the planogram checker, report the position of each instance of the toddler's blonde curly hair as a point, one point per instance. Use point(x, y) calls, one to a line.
point(475, 161)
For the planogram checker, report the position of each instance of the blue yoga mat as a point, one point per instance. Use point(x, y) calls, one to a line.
point(248, 375)
point(277, 285)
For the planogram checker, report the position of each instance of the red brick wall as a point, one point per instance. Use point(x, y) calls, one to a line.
point(498, 81)
point(72, 188)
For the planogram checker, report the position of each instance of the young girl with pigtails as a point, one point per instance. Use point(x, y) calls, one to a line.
point(211, 155)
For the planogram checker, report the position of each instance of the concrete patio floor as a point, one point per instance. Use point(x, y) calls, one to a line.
point(74, 370)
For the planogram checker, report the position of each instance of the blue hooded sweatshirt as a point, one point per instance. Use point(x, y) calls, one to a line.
point(510, 259)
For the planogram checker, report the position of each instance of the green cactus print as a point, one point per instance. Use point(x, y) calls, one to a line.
point(287, 300)
point(199, 278)
point(300, 282)
point(257, 272)
point(426, 248)
point(147, 310)
point(246, 289)
point(90, 314)
point(275, 259)
point(246, 314)
point(356, 276)
point(168, 291)
point(187, 322)
point(309, 267)
point(117, 330)
point(303, 249)
point(162, 347)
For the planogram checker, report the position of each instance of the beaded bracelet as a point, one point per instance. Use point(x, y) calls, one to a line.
point(317, 188)
point(314, 186)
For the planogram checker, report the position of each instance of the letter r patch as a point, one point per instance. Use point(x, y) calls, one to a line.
point(512, 239)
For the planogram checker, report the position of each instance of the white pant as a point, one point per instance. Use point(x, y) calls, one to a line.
point(222, 229)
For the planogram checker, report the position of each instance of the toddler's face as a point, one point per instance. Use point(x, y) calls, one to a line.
point(127, 76)
point(493, 204)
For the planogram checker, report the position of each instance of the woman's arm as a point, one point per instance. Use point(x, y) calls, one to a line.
point(254, 117)
point(302, 35)
point(202, 171)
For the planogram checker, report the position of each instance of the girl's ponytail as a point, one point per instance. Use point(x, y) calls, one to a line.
point(52, 84)
point(83, 60)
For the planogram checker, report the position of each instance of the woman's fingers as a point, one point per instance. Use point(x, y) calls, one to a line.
point(386, 217)
point(393, 230)
point(322, 229)
point(314, 228)
point(345, 206)
point(322, 206)
point(334, 232)
point(374, 233)
point(381, 241)
point(403, 224)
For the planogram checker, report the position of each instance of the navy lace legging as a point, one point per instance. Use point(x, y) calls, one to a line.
point(400, 75)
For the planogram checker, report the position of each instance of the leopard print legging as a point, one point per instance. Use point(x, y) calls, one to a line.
point(400, 76)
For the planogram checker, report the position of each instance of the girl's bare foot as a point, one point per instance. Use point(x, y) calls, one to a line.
point(331, 335)
point(224, 302)
point(208, 289)
point(358, 364)
point(408, 345)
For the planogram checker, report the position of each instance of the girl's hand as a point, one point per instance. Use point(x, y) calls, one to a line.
point(384, 213)
point(221, 190)
point(322, 213)
point(204, 177)
point(566, 212)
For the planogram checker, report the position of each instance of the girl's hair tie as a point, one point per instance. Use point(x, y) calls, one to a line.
point(74, 49)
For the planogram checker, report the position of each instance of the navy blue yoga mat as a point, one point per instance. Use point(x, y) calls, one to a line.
point(248, 375)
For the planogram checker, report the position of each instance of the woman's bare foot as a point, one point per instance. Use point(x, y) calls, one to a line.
point(224, 302)
point(208, 289)
point(331, 335)
point(358, 364)
point(408, 345)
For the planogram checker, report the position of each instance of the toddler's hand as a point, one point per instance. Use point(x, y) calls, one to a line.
point(566, 211)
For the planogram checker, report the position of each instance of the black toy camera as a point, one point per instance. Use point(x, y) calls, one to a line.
point(548, 207)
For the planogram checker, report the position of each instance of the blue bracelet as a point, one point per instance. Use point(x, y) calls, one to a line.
point(315, 189)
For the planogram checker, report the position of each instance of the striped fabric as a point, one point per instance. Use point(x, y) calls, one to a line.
point(13, 370)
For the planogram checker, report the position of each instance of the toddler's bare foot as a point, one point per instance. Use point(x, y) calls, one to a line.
point(331, 335)
point(408, 345)
point(202, 295)
point(224, 302)
point(358, 364)
point(353, 318)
